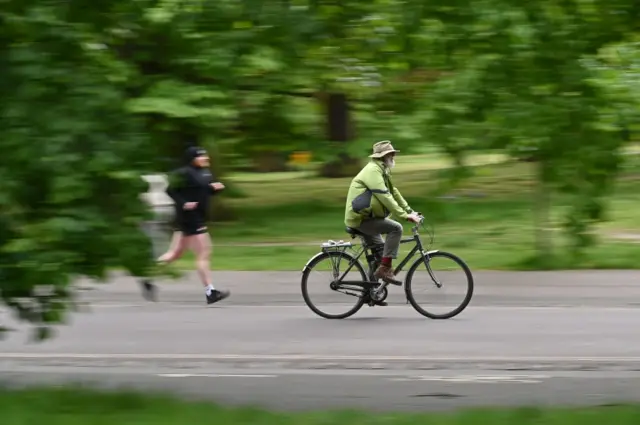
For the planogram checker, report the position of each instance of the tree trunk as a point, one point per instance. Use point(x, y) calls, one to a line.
point(339, 127)
point(339, 124)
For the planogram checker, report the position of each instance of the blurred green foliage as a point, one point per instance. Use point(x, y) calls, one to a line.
point(97, 93)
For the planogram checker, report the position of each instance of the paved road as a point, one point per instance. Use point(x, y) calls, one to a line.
point(586, 288)
point(507, 348)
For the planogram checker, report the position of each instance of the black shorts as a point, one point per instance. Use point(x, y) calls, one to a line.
point(190, 229)
point(189, 224)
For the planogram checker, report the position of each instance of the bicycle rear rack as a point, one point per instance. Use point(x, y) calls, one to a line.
point(339, 246)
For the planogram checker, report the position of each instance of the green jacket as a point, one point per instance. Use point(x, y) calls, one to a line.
point(372, 195)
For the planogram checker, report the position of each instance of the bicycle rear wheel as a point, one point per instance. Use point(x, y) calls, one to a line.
point(318, 275)
point(456, 287)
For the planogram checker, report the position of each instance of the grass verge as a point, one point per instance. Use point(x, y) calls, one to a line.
point(488, 219)
point(82, 406)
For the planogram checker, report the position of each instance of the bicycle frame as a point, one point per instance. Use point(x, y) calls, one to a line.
point(372, 282)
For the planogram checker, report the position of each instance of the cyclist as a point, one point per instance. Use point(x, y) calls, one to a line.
point(190, 188)
point(371, 199)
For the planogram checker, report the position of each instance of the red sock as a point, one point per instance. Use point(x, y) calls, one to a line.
point(386, 261)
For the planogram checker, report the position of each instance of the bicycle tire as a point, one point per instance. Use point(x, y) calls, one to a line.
point(305, 275)
point(467, 299)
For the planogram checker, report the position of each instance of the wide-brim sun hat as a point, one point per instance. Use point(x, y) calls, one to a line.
point(382, 148)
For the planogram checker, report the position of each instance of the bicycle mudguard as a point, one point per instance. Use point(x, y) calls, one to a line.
point(306, 266)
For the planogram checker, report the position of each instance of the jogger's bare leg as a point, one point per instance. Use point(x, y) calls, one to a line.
point(201, 245)
point(175, 240)
point(176, 248)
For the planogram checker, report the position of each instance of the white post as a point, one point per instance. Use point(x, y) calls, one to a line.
point(156, 197)
point(163, 209)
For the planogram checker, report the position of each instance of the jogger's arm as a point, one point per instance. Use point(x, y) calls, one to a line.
point(215, 186)
point(175, 187)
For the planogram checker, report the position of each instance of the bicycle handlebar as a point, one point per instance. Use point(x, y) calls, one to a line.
point(417, 225)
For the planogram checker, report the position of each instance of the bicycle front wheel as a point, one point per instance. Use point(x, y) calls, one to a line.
point(441, 291)
point(317, 277)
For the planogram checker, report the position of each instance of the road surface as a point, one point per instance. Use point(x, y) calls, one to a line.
point(575, 288)
point(557, 338)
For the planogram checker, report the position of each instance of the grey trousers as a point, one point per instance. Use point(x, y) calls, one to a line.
point(375, 227)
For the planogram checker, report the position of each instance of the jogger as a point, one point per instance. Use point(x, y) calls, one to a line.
point(191, 188)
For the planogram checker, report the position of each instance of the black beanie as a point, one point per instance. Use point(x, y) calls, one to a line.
point(193, 152)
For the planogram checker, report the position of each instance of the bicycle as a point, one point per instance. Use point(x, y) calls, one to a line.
point(368, 290)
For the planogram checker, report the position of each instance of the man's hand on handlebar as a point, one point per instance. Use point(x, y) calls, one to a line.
point(415, 217)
